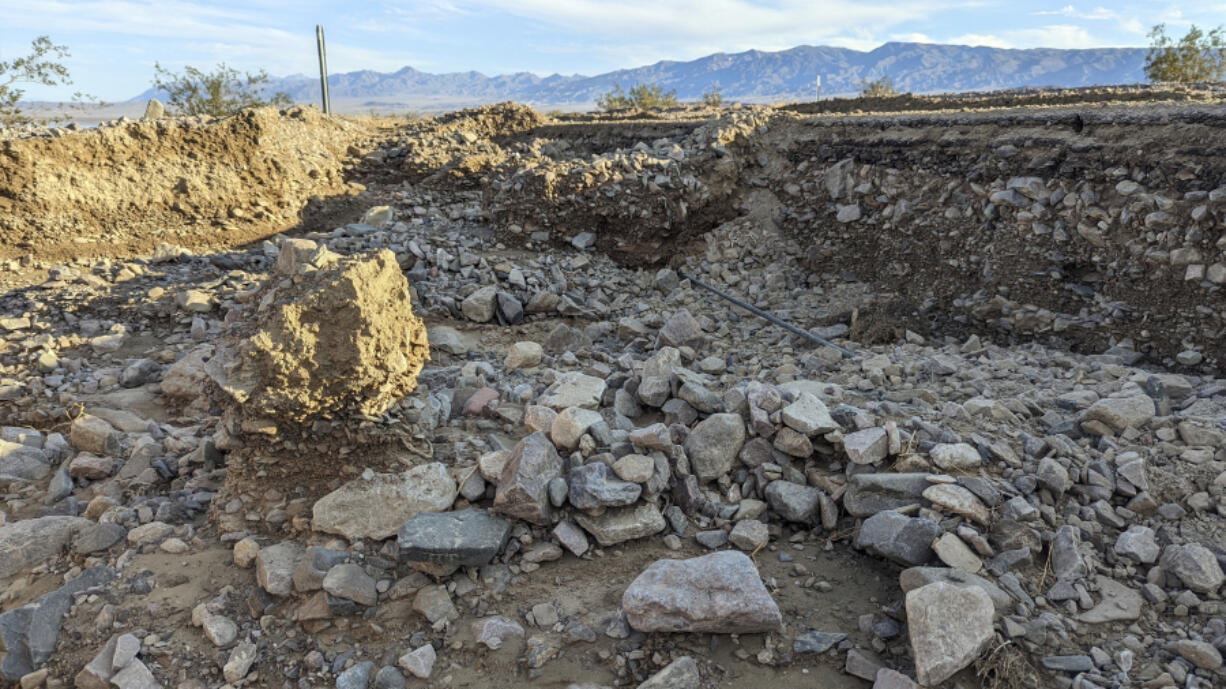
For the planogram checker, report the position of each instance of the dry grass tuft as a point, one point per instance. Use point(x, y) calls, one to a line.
point(1007, 667)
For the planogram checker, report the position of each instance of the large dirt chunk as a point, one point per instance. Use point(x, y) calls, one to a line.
point(334, 341)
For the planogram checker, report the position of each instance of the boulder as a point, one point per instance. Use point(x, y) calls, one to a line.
point(18, 461)
point(338, 340)
point(574, 389)
point(713, 445)
point(27, 542)
point(470, 537)
point(793, 502)
point(595, 485)
point(620, 524)
point(949, 626)
point(808, 415)
point(720, 593)
point(523, 488)
point(1194, 565)
point(868, 494)
point(1122, 412)
point(868, 446)
point(899, 538)
point(274, 567)
point(377, 507)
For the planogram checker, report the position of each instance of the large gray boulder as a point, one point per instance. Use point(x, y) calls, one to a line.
point(1121, 412)
point(720, 593)
point(793, 502)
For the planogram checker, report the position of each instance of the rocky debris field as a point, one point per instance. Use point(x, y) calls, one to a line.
point(447, 438)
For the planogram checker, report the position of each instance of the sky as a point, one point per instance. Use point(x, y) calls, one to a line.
point(115, 43)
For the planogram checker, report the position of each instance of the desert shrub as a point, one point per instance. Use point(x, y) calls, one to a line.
point(43, 66)
point(878, 88)
point(1196, 57)
point(714, 97)
point(223, 91)
point(640, 97)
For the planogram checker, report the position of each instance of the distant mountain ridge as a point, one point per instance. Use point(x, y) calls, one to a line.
point(753, 75)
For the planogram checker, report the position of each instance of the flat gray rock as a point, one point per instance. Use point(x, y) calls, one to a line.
point(868, 494)
point(29, 541)
point(595, 485)
point(376, 508)
point(817, 642)
point(1118, 603)
point(620, 524)
point(460, 538)
point(720, 593)
point(949, 625)
point(682, 673)
point(29, 633)
point(793, 502)
point(899, 538)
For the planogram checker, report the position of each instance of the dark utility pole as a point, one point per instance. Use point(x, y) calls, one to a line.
point(323, 70)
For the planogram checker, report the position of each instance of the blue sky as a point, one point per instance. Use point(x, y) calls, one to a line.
point(114, 43)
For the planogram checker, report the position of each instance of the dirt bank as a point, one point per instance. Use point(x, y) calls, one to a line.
point(121, 190)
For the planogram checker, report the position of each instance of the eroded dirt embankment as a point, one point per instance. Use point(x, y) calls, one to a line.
point(1077, 228)
point(121, 190)
point(1023, 225)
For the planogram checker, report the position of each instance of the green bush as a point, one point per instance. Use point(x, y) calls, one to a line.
point(879, 88)
point(1197, 57)
point(42, 66)
point(218, 93)
point(714, 97)
point(640, 97)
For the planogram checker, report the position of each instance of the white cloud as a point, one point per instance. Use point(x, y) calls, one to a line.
point(1073, 12)
point(914, 37)
point(685, 28)
point(1053, 36)
point(974, 39)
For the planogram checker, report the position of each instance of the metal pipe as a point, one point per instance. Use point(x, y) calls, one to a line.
point(323, 70)
point(773, 319)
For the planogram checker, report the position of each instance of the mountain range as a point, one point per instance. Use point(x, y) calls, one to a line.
point(754, 76)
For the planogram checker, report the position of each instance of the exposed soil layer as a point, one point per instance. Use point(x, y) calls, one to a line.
point(121, 190)
point(1018, 98)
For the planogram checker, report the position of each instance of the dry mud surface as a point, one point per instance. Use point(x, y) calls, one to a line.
point(229, 458)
